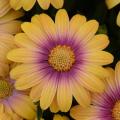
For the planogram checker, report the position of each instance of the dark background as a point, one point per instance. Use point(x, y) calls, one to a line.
point(92, 9)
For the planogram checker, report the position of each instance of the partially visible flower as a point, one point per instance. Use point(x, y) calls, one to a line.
point(8, 22)
point(60, 60)
point(105, 106)
point(60, 117)
point(6, 44)
point(118, 19)
point(111, 4)
point(14, 104)
point(28, 4)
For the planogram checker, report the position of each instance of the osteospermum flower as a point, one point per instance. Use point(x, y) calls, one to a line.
point(8, 22)
point(59, 117)
point(111, 4)
point(60, 60)
point(14, 104)
point(105, 106)
point(28, 4)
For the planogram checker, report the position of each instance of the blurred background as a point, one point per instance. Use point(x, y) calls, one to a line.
point(92, 9)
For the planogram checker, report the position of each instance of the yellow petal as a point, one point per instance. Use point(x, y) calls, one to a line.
point(118, 19)
point(81, 95)
point(57, 3)
point(11, 15)
point(79, 113)
point(62, 23)
point(28, 80)
point(87, 31)
point(4, 7)
point(97, 70)
point(59, 117)
point(54, 106)
point(64, 95)
point(99, 57)
point(48, 92)
point(98, 42)
point(34, 32)
point(90, 82)
point(49, 28)
point(22, 105)
point(28, 4)
point(75, 23)
point(11, 27)
point(23, 55)
point(34, 92)
point(23, 69)
point(112, 3)
point(117, 74)
point(22, 40)
point(44, 4)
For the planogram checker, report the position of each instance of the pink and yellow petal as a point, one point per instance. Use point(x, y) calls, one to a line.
point(75, 23)
point(62, 23)
point(98, 42)
point(34, 32)
point(11, 27)
point(81, 95)
point(64, 95)
point(86, 31)
point(57, 3)
point(99, 57)
point(49, 28)
point(44, 4)
point(34, 92)
point(22, 106)
point(90, 82)
point(23, 55)
point(22, 40)
point(48, 92)
point(11, 15)
point(28, 80)
point(79, 113)
point(4, 7)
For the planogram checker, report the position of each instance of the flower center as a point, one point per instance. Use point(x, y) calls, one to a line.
point(61, 58)
point(116, 111)
point(5, 89)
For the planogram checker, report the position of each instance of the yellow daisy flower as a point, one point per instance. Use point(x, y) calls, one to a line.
point(28, 4)
point(60, 60)
point(8, 22)
point(59, 117)
point(111, 4)
point(105, 106)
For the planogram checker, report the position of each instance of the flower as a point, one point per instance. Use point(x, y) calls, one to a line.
point(27, 5)
point(8, 22)
point(59, 117)
point(60, 60)
point(14, 104)
point(111, 4)
point(105, 106)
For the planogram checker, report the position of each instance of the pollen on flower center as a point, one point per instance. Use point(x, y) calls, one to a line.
point(61, 58)
point(5, 89)
point(116, 111)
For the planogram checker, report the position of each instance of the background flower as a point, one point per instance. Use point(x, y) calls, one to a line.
point(105, 106)
point(111, 4)
point(60, 60)
point(27, 5)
